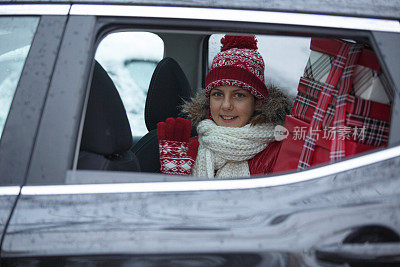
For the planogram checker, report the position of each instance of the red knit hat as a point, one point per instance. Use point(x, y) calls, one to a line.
point(238, 64)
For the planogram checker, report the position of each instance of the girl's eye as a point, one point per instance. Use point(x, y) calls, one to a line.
point(239, 95)
point(217, 94)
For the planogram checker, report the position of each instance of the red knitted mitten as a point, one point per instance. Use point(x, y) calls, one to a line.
point(177, 150)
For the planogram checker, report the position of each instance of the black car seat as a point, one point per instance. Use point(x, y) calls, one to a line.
point(168, 89)
point(106, 138)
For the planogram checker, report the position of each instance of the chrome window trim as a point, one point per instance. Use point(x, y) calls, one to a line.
point(9, 190)
point(35, 9)
point(205, 185)
point(286, 18)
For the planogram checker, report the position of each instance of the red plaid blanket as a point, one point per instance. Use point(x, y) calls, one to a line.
point(342, 66)
point(326, 100)
point(372, 118)
point(329, 121)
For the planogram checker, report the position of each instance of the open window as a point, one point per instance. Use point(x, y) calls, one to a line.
point(130, 60)
point(290, 57)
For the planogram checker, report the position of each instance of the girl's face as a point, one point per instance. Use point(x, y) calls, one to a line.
point(232, 106)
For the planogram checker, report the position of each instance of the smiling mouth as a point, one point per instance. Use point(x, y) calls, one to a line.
point(228, 118)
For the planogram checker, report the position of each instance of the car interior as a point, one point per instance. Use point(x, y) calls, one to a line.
point(168, 89)
point(107, 141)
point(106, 138)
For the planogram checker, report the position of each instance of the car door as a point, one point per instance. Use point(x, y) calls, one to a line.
point(63, 216)
point(28, 40)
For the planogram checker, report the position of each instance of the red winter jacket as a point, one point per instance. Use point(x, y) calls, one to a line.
point(264, 161)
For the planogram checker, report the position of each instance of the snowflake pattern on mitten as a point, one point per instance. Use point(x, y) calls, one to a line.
point(177, 150)
point(174, 158)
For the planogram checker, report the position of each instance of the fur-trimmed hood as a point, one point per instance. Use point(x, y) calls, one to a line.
point(275, 108)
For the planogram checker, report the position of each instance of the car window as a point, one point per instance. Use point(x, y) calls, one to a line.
point(130, 59)
point(16, 34)
point(299, 67)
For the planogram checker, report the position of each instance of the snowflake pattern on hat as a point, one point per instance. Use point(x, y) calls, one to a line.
point(241, 66)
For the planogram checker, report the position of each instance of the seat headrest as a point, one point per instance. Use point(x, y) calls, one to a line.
point(106, 130)
point(168, 89)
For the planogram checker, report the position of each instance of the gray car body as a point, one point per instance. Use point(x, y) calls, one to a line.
point(272, 225)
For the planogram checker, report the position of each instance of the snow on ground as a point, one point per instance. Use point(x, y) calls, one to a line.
point(11, 65)
point(113, 52)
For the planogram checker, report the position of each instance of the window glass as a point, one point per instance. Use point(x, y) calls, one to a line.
point(130, 59)
point(16, 34)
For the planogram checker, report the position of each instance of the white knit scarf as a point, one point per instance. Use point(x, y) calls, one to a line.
point(227, 149)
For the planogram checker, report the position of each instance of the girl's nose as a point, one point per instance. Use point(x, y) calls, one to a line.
point(227, 104)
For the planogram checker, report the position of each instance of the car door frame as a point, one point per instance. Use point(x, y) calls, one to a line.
point(24, 117)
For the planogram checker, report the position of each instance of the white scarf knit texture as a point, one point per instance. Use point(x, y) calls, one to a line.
point(226, 150)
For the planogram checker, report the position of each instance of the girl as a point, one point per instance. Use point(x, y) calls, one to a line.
point(235, 117)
